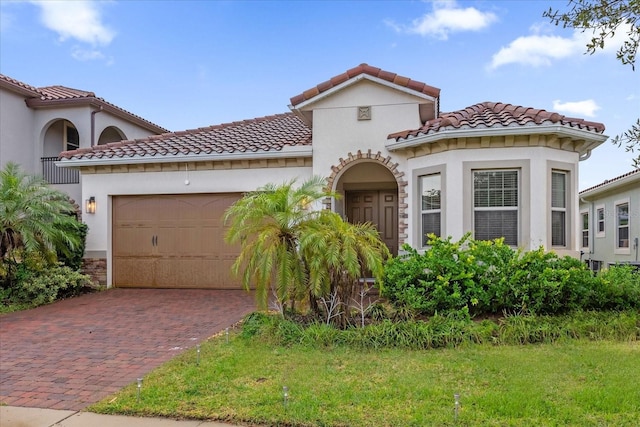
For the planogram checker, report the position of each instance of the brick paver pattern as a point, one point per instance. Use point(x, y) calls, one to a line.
point(75, 352)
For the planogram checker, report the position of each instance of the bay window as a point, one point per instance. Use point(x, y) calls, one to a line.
point(496, 205)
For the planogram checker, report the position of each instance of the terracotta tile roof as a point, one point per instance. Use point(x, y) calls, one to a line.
point(16, 84)
point(270, 133)
point(612, 181)
point(369, 70)
point(495, 115)
point(62, 92)
point(55, 95)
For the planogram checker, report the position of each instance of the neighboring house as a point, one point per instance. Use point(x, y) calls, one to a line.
point(610, 221)
point(493, 169)
point(36, 124)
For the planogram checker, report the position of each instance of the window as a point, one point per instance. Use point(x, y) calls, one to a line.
point(622, 225)
point(600, 221)
point(72, 138)
point(430, 192)
point(558, 209)
point(585, 229)
point(495, 205)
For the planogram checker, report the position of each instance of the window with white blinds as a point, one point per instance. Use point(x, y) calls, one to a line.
point(430, 196)
point(558, 208)
point(495, 205)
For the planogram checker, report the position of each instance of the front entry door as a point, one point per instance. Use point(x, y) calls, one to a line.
point(379, 207)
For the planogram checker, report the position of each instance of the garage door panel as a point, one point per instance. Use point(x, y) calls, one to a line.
point(183, 233)
point(131, 271)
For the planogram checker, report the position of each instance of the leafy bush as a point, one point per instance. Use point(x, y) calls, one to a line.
point(449, 276)
point(489, 277)
point(541, 282)
point(37, 287)
point(72, 257)
point(617, 288)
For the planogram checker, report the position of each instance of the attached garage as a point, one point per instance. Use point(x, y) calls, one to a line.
point(173, 241)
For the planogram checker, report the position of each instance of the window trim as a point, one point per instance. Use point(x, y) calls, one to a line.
point(573, 242)
point(428, 211)
point(564, 209)
point(517, 208)
point(584, 212)
point(65, 143)
point(617, 249)
point(416, 225)
point(524, 193)
point(598, 233)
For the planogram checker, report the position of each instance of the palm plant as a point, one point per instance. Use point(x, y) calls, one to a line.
point(339, 255)
point(35, 219)
point(267, 224)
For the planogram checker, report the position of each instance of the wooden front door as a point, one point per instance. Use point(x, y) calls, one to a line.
point(172, 241)
point(379, 207)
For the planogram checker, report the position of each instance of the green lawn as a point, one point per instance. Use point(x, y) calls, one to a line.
point(569, 383)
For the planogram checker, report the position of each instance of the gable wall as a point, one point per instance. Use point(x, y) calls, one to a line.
point(17, 132)
point(338, 132)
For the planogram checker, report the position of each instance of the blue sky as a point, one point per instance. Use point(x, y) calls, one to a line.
point(189, 64)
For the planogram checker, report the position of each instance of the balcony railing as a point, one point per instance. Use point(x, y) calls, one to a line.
point(55, 175)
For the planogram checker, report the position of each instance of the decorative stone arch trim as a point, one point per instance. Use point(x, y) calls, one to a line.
point(388, 163)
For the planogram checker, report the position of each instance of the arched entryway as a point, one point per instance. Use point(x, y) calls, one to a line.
point(369, 190)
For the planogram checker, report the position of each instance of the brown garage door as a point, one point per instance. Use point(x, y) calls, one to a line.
point(172, 241)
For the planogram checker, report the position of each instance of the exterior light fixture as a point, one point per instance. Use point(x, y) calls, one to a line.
point(90, 205)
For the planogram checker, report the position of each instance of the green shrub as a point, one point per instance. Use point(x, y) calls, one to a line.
point(490, 277)
point(449, 276)
point(542, 283)
point(46, 285)
point(616, 288)
point(73, 257)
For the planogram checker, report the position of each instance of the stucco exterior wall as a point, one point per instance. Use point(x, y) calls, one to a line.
point(338, 132)
point(602, 246)
point(535, 165)
point(104, 186)
point(17, 132)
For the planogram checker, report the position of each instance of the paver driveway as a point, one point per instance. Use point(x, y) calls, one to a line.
point(75, 352)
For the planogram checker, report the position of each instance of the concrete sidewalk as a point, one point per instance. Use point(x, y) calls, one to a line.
point(13, 416)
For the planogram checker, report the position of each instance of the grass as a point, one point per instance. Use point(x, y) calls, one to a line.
point(572, 382)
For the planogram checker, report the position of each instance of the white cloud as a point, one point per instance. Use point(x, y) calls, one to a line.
point(541, 50)
point(446, 18)
point(586, 108)
point(534, 50)
point(86, 54)
point(80, 20)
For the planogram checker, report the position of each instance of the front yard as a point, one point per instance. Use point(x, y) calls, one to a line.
point(571, 382)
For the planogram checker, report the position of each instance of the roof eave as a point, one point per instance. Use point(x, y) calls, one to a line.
point(355, 80)
point(21, 90)
point(289, 152)
point(414, 141)
point(610, 186)
point(37, 103)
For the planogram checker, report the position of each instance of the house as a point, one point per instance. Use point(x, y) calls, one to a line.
point(36, 124)
point(494, 169)
point(610, 221)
